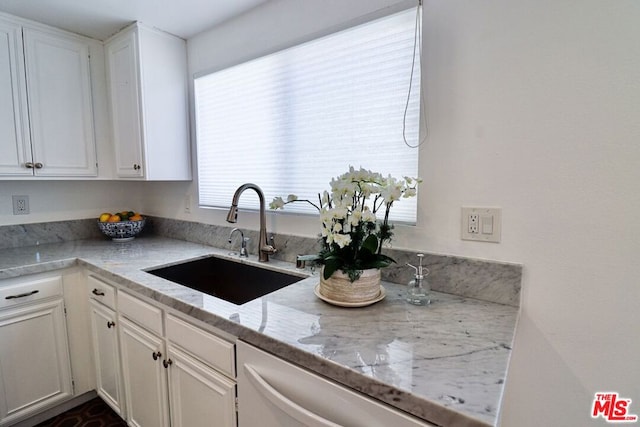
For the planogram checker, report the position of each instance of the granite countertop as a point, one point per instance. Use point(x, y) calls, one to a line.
point(445, 363)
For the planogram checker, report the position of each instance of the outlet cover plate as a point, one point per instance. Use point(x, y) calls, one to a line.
point(481, 224)
point(20, 205)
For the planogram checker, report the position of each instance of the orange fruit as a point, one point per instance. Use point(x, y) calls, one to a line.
point(135, 217)
point(114, 218)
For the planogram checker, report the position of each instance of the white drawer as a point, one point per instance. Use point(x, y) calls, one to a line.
point(212, 350)
point(30, 290)
point(141, 312)
point(101, 291)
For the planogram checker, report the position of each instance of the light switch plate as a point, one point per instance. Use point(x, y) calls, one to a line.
point(187, 203)
point(481, 224)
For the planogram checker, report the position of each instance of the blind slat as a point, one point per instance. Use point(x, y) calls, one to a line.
point(291, 121)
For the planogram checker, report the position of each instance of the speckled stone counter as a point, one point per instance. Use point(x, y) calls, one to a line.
point(445, 363)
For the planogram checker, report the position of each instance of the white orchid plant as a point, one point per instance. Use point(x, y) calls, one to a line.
point(352, 235)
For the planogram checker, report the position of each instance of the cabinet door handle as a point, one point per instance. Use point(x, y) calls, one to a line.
point(136, 167)
point(156, 355)
point(28, 165)
point(111, 324)
point(38, 165)
point(291, 408)
point(167, 363)
point(26, 294)
point(97, 292)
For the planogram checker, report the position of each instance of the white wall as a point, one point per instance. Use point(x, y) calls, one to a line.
point(65, 200)
point(533, 106)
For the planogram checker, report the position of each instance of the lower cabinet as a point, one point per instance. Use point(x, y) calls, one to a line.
point(199, 395)
point(145, 384)
point(156, 368)
point(107, 356)
point(35, 367)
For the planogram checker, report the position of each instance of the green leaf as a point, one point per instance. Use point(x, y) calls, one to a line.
point(370, 244)
point(330, 266)
point(387, 259)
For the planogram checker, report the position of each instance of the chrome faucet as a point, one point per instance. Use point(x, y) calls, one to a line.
point(263, 243)
point(243, 242)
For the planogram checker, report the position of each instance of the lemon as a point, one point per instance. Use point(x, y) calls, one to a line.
point(104, 217)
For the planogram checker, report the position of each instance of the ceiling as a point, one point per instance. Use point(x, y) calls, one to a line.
point(101, 18)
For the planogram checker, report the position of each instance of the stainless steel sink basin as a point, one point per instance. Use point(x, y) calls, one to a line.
point(228, 280)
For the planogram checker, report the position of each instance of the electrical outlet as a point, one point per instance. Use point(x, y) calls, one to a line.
point(20, 205)
point(472, 223)
point(481, 224)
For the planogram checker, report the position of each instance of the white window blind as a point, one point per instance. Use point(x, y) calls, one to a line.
point(292, 120)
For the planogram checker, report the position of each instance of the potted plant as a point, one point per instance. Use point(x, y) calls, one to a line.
point(355, 225)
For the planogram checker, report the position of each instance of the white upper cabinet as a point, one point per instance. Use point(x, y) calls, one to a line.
point(15, 146)
point(46, 112)
point(60, 105)
point(147, 78)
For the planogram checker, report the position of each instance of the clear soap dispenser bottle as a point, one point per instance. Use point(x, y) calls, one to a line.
point(418, 289)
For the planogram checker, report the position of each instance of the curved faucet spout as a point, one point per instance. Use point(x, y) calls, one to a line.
point(243, 242)
point(263, 243)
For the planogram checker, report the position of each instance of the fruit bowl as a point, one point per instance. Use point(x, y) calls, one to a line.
point(121, 231)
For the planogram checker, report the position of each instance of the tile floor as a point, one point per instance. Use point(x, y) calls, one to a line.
point(94, 413)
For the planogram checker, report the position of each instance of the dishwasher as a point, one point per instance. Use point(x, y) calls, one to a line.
point(275, 393)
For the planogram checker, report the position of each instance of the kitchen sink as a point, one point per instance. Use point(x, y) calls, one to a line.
point(226, 279)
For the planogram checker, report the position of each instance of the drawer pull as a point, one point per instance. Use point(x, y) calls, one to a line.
point(26, 294)
point(156, 355)
point(97, 292)
point(167, 363)
point(111, 324)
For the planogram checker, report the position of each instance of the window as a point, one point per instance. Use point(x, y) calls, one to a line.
point(292, 120)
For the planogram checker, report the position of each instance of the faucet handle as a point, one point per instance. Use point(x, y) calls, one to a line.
point(269, 249)
point(244, 253)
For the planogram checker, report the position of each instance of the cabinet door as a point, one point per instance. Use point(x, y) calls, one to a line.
point(199, 396)
point(60, 104)
point(145, 378)
point(15, 145)
point(124, 89)
point(107, 356)
point(35, 369)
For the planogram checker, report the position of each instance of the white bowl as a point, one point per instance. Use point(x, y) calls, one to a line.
point(121, 231)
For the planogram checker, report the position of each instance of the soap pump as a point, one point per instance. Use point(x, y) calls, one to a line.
point(418, 289)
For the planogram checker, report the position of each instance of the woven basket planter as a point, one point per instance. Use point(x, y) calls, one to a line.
point(338, 287)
